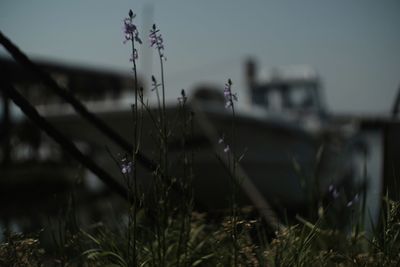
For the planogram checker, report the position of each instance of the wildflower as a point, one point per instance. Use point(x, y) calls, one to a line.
point(130, 30)
point(134, 56)
point(156, 40)
point(226, 149)
point(182, 99)
point(333, 191)
point(221, 141)
point(353, 201)
point(126, 166)
point(154, 83)
point(229, 96)
point(228, 104)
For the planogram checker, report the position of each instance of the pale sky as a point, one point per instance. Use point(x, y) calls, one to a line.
point(352, 44)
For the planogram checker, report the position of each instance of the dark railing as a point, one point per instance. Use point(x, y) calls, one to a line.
point(9, 92)
point(59, 138)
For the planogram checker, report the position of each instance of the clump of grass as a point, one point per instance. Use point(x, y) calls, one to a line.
point(385, 244)
point(21, 250)
point(209, 243)
point(307, 244)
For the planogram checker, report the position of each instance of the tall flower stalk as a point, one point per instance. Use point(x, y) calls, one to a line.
point(157, 42)
point(132, 35)
point(230, 150)
point(185, 207)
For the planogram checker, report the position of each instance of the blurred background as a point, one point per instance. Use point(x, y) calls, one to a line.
point(353, 45)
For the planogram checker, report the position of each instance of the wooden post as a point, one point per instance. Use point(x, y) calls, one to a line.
point(60, 139)
point(75, 103)
point(5, 125)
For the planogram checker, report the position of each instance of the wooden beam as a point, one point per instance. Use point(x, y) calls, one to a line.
point(60, 139)
point(246, 184)
point(5, 124)
point(75, 103)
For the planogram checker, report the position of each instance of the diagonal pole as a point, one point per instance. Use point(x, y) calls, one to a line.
point(21, 58)
point(5, 124)
point(248, 187)
point(58, 137)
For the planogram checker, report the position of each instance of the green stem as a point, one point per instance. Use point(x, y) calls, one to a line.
point(234, 218)
point(134, 156)
point(165, 154)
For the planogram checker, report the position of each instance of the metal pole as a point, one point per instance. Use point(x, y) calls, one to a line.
point(75, 103)
point(59, 138)
point(5, 131)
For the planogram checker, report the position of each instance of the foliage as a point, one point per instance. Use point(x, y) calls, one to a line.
point(165, 231)
point(20, 250)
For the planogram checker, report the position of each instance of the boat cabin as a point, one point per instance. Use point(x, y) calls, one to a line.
point(292, 95)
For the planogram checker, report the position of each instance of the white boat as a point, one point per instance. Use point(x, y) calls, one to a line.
point(290, 151)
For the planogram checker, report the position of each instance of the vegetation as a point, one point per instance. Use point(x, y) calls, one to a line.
point(163, 230)
point(209, 244)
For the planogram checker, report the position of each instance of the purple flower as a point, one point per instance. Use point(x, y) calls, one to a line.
point(334, 192)
point(156, 40)
point(130, 30)
point(221, 141)
point(229, 96)
point(126, 166)
point(353, 201)
point(134, 56)
point(228, 104)
point(227, 148)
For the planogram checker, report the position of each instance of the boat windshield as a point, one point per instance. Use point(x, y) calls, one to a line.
point(294, 96)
